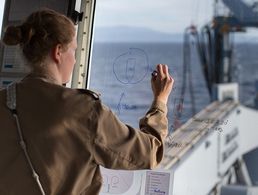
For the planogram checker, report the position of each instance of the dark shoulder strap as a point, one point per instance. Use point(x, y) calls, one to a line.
point(11, 104)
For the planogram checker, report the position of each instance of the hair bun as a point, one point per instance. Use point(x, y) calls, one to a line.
point(27, 33)
point(12, 35)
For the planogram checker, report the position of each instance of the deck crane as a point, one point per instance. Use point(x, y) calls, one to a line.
point(217, 61)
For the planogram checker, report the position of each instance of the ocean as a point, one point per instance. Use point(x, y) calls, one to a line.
point(121, 73)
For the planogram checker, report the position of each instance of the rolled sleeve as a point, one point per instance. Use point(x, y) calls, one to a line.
point(119, 146)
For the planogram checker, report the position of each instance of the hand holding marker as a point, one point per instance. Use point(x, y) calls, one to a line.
point(161, 83)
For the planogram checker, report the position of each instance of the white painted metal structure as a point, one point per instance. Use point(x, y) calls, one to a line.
point(201, 149)
point(84, 37)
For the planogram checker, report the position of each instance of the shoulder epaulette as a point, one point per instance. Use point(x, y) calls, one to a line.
point(89, 92)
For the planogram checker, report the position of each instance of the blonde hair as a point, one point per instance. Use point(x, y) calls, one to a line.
point(39, 33)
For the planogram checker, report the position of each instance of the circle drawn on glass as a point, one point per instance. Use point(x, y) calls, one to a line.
point(131, 67)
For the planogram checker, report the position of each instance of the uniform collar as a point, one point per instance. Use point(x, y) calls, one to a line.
point(45, 78)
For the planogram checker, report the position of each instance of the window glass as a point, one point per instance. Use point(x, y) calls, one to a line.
point(130, 38)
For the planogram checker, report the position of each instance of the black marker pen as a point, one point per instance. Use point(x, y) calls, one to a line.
point(154, 73)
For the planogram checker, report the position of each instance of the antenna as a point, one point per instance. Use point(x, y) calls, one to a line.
point(215, 8)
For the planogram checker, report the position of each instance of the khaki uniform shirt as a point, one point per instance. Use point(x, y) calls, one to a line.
point(69, 133)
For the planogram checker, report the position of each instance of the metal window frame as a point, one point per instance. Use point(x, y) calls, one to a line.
point(81, 72)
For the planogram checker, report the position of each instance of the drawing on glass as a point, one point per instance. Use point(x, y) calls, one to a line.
point(131, 67)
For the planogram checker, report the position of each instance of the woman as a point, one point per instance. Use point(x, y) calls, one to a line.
point(65, 134)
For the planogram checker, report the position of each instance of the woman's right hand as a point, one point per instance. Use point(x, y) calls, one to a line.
point(161, 83)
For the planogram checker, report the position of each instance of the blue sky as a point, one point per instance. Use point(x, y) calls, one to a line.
point(171, 16)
